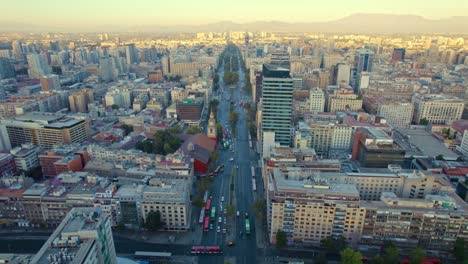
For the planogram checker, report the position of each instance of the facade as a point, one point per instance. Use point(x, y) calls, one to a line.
point(79, 100)
point(397, 113)
point(343, 100)
point(50, 82)
point(37, 65)
point(7, 70)
point(277, 90)
point(317, 100)
point(189, 110)
point(463, 148)
point(84, 236)
point(7, 165)
point(437, 108)
point(363, 60)
point(343, 75)
point(26, 157)
point(45, 129)
point(398, 55)
point(373, 148)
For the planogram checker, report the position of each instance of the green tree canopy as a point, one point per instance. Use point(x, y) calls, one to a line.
point(153, 221)
point(391, 255)
point(281, 239)
point(417, 256)
point(350, 256)
point(460, 250)
point(114, 106)
point(192, 130)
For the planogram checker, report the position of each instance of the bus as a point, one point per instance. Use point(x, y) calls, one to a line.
point(196, 250)
point(254, 185)
point(208, 205)
point(252, 169)
point(213, 213)
point(202, 216)
point(205, 197)
point(218, 169)
point(247, 226)
point(152, 256)
point(206, 225)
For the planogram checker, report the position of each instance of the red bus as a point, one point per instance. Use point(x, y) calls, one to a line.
point(206, 225)
point(208, 205)
point(425, 261)
point(197, 249)
point(213, 250)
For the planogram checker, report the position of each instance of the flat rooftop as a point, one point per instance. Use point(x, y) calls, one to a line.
point(419, 142)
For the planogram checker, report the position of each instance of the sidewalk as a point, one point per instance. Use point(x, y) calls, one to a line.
point(164, 237)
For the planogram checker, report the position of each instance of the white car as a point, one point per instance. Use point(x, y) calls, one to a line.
point(219, 229)
point(220, 220)
point(237, 213)
point(222, 198)
point(231, 159)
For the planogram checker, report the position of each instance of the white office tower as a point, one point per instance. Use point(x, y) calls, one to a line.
point(317, 100)
point(37, 65)
point(107, 70)
point(132, 54)
point(344, 74)
point(84, 236)
point(363, 81)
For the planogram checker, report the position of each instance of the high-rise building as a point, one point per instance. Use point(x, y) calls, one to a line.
point(26, 157)
point(398, 113)
point(277, 91)
point(37, 65)
point(317, 100)
point(18, 52)
point(363, 60)
point(437, 108)
point(50, 82)
point(79, 100)
point(132, 54)
point(83, 236)
point(54, 46)
point(45, 129)
point(280, 59)
point(398, 54)
point(7, 70)
point(107, 69)
point(343, 74)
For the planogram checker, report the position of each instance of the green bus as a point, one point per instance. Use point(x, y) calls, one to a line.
point(247, 226)
point(213, 213)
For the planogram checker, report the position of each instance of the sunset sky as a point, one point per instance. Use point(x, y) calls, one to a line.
point(142, 12)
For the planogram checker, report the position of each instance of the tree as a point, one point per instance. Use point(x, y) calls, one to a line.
point(231, 210)
point(328, 244)
point(219, 131)
point(259, 208)
point(423, 121)
point(153, 221)
point(192, 130)
point(214, 156)
point(128, 129)
point(417, 256)
point(35, 173)
point(198, 202)
point(233, 118)
point(376, 260)
point(114, 106)
point(391, 255)
point(460, 250)
point(281, 239)
point(350, 256)
point(440, 157)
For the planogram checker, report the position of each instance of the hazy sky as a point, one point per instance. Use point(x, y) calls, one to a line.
point(143, 12)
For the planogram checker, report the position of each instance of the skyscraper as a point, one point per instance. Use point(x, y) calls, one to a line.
point(277, 90)
point(343, 74)
point(363, 60)
point(37, 65)
point(280, 59)
point(398, 54)
point(50, 82)
point(132, 54)
point(107, 69)
point(7, 70)
point(79, 101)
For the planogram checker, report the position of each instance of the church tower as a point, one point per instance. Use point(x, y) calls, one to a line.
point(212, 133)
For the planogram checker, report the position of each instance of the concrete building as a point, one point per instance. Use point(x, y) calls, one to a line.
point(189, 111)
point(171, 197)
point(437, 108)
point(26, 157)
point(45, 129)
point(363, 60)
point(397, 113)
point(50, 82)
point(7, 165)
point(374, 148)
point(7, 70)
point(37, 65)
point(79, 100)
point(84, 236)
point(108, 71)
point(317, 100)
point(343, 100)
point(343, 75)
point(277, 90)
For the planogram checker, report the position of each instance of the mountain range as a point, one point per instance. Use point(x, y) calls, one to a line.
point(356, 23)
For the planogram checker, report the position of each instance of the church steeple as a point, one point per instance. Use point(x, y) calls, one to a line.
point(212, 133)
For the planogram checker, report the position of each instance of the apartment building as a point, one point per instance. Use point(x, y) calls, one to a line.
point(343, 100)
point(317, 100)
point(437, 108)
point(398, 113)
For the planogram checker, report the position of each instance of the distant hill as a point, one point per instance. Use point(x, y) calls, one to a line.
point(356, 23)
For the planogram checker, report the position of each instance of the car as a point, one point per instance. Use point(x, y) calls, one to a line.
point(240, 234)
point(237, 166)
point(224, 230)
point(222, 198)
point(220, 219)
point(225, 211)
point(231, 159)
point(246, 215)
point(218, 229)
point(237, 213)
point(211, 226)
point(230, 243)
